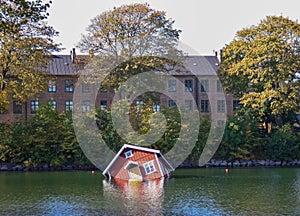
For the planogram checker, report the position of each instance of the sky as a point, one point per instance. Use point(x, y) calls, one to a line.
point(207, 26)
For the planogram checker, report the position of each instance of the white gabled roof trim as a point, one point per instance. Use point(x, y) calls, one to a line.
point(167, 162)
point(136, 148)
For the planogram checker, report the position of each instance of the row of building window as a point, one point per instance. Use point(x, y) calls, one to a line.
point(204, 105)
point(69, 86)
point(86, 106)
point(34, 105)
point(188, 84)
point(172, 86)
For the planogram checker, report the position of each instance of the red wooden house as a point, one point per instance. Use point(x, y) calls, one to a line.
point(138, 163)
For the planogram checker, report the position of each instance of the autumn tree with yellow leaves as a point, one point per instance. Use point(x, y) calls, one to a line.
point(26, 43)
point(261, 66)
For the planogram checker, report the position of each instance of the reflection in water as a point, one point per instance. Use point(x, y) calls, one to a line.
point(136, 198)
point(188, 192)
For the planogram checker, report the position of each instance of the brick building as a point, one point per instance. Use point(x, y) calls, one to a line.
point(198, 78)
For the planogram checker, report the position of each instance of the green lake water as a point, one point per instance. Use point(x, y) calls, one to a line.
point(257, 191)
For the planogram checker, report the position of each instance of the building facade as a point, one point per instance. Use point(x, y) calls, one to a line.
point(199, 79)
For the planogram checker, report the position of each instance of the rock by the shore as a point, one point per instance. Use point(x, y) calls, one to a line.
point(252, 163)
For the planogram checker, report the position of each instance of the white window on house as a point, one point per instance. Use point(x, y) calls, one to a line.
point(156, 108)
point(17, 107)
point(188, 104)
point(69, 105)
point(172, 104)
point(204, 106)
point(220, 123)
point(149, 167)
point(128, 154)
point(103, 105)
point(69, 85)
point(53, 103)
point(220, 106)
point(86, 106)
point(85, 88)
point(235, 104)
point(172, 85)
point(219, 86)
point(139, 105)
point(34, 105)
point(204, 86)
point(52, 86)
point(188, 85)
point(139, 102)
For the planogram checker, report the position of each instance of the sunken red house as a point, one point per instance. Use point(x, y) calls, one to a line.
point(133, 163)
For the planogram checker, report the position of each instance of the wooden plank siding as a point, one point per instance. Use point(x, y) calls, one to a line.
point(118, 169)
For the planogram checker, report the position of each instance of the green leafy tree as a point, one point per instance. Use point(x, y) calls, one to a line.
point(261, 65)
point(47, 138)
point(26, 43)
point(283, 144)
point(123, 42)
point(5, 140)
point(136, 38)
point(242, 139)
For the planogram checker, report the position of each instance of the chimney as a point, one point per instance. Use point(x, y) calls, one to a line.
point(221, 54)
point(73, 55)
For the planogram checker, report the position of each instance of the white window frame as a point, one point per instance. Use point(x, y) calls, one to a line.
point(128, 154)
point(204, 85)
point(156, 108)
point(69, 85)
point(188, 84)
point(53, 103)
point(219, 86)
point(149, 165)
point(86, 106)
point(188, 105)
point(68, 105)
point(103, 105)
point(52, 86)
point(34, 105)
point(172, 85)
point(220, 106)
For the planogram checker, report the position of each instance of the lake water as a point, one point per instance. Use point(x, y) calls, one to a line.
point(272, 191)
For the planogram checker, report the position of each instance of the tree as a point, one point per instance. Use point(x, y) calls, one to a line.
point(136, 37)
point(124, 42)
point(261, 67)
point(26, 43)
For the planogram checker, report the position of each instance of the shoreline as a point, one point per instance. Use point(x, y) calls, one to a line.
point(214, 163)
point(6, 167)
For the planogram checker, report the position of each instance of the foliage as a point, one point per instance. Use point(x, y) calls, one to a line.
point(284, 144)
point(130, 30)
point(261, 65)
point(26, 42)
point(130, 39)
point(203, 133)
point(48, 138)
point(139, 122)
point(241, 139)
point(4, 141)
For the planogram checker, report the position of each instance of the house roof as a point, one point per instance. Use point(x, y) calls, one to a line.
point(202, 65)
point(125, 146)
point(196, 65)
point(62, 65)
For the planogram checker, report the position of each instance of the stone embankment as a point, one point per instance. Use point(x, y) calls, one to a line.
point(13, 167)
point(246, 163)
point(253, 163)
